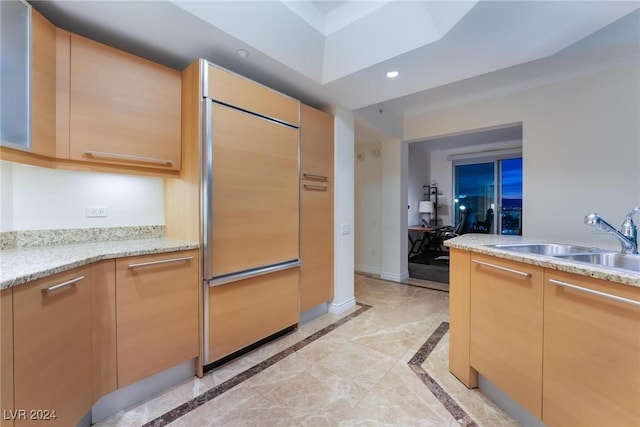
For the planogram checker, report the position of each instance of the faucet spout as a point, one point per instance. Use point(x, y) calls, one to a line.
point(629, 245)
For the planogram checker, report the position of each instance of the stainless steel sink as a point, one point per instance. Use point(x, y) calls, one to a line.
point(548, 249)
point(613, 259)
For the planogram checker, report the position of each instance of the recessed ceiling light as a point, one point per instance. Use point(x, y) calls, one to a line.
point(243, 53)
point(392, 74)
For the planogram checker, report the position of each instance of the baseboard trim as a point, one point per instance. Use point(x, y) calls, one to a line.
point(395, 277)
point(343, 306)
point(366, 269)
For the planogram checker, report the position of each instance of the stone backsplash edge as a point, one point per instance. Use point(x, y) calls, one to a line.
point(33, 238)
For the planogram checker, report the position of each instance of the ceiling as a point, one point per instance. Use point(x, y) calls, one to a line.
point(338, 52)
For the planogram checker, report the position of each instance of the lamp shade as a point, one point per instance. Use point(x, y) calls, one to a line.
point(426, 207)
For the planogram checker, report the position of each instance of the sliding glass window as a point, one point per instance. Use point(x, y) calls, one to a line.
point(488, 195)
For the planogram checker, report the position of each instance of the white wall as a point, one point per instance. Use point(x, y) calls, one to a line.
point(419, 175)
point(368, 208)
point(343, 209)
point(581, 147)
point(36, 198)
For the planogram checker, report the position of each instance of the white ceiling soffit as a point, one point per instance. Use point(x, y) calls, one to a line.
point(328, 42)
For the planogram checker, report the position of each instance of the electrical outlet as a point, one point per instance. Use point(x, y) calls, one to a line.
point(97, 212)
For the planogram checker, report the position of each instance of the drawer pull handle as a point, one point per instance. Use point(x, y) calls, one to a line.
point(497, 267)
point(62, 285)
point(597, 293)
point(128, 157)
point(315, 187)
point(234, 277)
point(317, 177)
point(164, 261)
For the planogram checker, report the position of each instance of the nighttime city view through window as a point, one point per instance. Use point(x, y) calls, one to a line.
point(511, 215)
point(475, 194)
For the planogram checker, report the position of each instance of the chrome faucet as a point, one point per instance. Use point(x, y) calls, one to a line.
point(627, 238)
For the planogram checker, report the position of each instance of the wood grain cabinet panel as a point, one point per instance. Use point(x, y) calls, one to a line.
point(459, 303)
point(43, 85)
point(233, 89)
point(157, 313)
point(103, 315)
point(52, 348)
point(244, 312)
point(316, 243)
point(506, 327)
point(6, 355)
point(123, 109)
point(255, 192)
point(591, 352)
point(316, 144)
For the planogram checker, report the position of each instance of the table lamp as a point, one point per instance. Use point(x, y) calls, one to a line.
point(425, 208)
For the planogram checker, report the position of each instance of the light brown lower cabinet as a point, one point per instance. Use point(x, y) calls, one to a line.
point(6, 355)
point(246, 311)
point(52, 349)
point(565, 346)
point(316, 243)
point(156, 312)
point(506, 327)
point(591, 352)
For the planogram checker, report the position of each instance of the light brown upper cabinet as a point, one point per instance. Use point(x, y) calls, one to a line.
point(316, 144)
point(123, 109)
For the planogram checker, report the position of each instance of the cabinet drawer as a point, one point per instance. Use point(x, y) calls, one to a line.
point(591, 352)
point(506, 327)
point(52, 347)
point(240, 92)
point(244, 312)
point(157, 313)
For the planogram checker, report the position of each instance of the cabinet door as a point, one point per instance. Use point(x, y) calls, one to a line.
point(506, 327)
point(316, 144)
point(255, 192)
point(316, 243)
point(123, 109)
point(157, 313)
point(6, 354)
point(591, 352)
point(52, 348)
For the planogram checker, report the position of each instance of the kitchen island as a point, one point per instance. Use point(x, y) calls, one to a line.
point(560, 338)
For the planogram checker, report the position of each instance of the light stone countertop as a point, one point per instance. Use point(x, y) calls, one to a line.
point(22, 265)
point(477, 243)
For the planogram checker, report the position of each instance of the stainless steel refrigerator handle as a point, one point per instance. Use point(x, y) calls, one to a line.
point(164, 261)
point(254, 273)
point(597, 293)
point(128, 157)
point(62, 285)
point(206, 186)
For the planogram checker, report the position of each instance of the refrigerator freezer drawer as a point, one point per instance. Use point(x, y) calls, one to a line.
point(244, 312)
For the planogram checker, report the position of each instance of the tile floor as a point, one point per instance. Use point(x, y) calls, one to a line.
point(382, 364)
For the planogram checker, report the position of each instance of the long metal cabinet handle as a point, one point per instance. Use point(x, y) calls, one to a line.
point(253, 273)
point(129, 157)
point(597, 293)
point(312, 176)
point(62, 285)
point(316, 187)
point(497, 267)
point(164, 261)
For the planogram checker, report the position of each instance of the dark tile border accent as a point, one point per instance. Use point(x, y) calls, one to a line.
point(416, 366)
point(216, 391)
